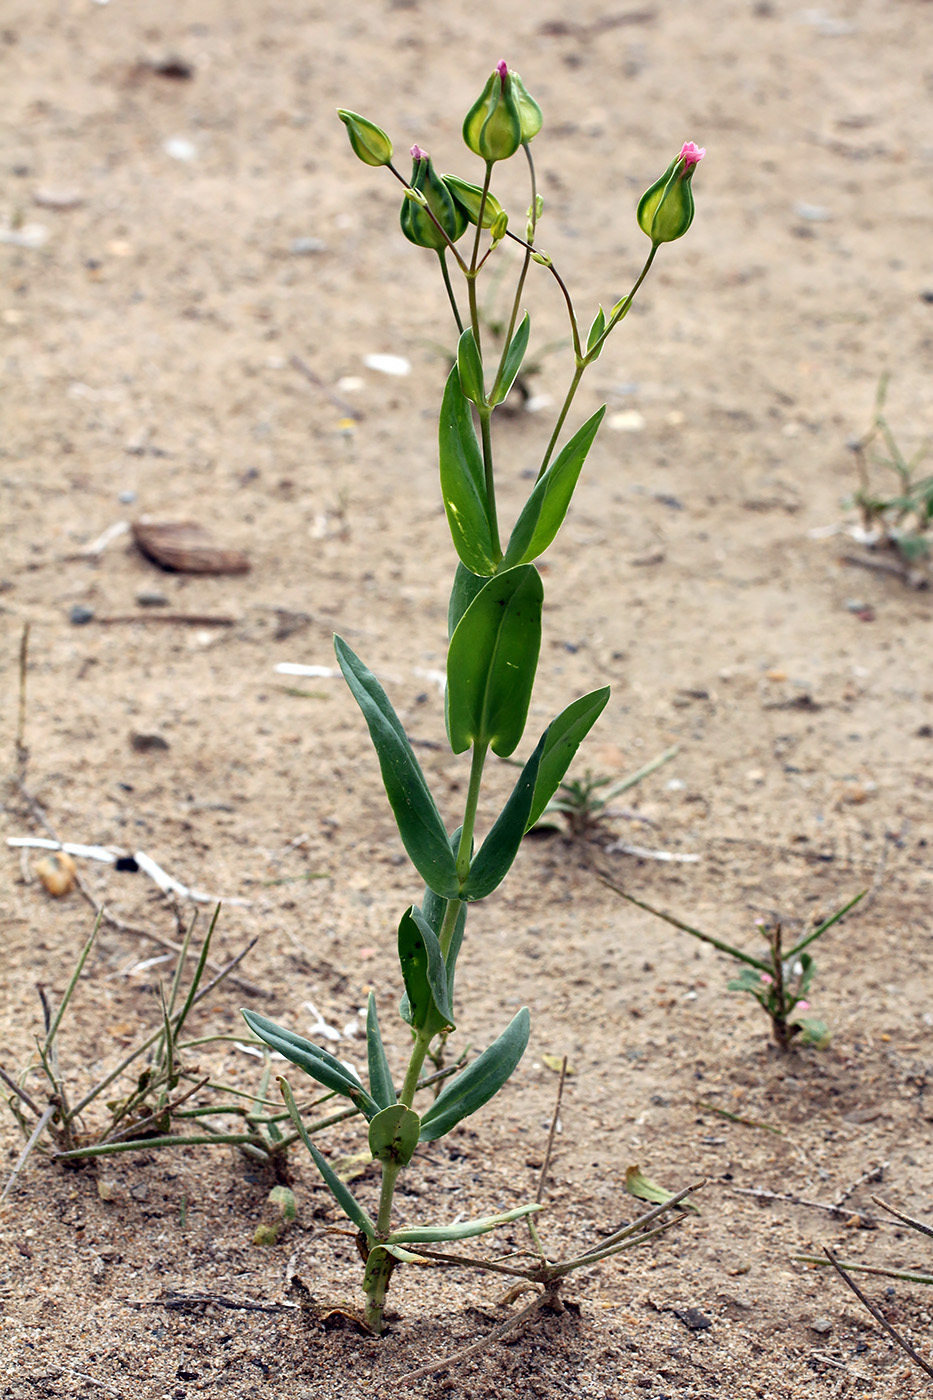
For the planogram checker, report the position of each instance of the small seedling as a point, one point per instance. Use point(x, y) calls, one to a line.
point(898, 518)
point(159, 1105)
point(779, 980)
point(584, 804)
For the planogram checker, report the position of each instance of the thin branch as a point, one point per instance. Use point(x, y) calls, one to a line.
point(879, 1316)
point(483, 1344)
point(542, 1179)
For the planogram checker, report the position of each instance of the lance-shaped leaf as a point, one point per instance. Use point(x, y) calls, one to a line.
point(491, 662)
point(393, 1135)
point(543, 513)
point(434, 909)
point(564, 736)
point(638, 1185)
point(320, 1064)
point(423, 833)
point(470, 368)
point(477, 1084)
point(463, 481)
point(494, 859)
point(338, 1189)
point(432, 1234)
point(380, 1078)
point(512, 362)
point(424, 973)
point(465, 588)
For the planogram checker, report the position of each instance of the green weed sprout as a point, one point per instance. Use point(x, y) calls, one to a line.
point(162, 1105)
point(584, 804)
point(779, 981)
point(899, 517)
point(495, 620)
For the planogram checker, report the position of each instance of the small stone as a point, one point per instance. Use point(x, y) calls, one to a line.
point(149, 598)
point(180, 148)
point(49, 197)
point(813, 213)
point(693, 1319)
point(80, 615)
point(107, 1190)
point(627, 420)
point(148, 743)
point(388, 364)
point(301, 247)
point(821, 1325)
point(127, 498)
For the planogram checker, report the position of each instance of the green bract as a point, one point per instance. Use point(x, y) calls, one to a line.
point(368, 140)
point(469, 198)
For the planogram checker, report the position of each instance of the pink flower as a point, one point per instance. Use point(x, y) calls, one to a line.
point(692, 154)
point(802, 1006)
point(767, 979)
point(418, 154)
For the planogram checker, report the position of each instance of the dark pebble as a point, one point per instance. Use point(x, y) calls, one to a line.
point(81, 615)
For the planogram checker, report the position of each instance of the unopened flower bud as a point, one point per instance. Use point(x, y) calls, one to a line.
point(499, 226)
point(665, 211)
point(492, 127)
point(368, 140)
point(468, 198)
point(432, 194)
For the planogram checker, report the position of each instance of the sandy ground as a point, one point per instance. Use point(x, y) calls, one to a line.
point(195, 233)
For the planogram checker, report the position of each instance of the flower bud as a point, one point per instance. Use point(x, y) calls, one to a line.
point(665, 211)
point(428, 192)
point(492, 127)
point(528, 109)
point(468, 197)
point(368, 140)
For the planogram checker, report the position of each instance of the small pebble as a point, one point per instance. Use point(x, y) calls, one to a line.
point(80, 615)
point(148, 743)
point(813, 213)
point(301, 246)
point(627, 420)
point(821, 1325)
point(64, 198)
point(127, 498)
point(388, 364)
point(180, 148)
point(150, 599)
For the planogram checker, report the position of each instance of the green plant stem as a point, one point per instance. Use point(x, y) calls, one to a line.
point(778, 998)
point(433, 217)
point(447, 927)
point(390, 1171)
point(442, 259)
point(574, 384)
point(464, 854)
point(826, 924)
point(516, 304)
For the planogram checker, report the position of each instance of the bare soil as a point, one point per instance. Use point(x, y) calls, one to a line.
point(147, 367)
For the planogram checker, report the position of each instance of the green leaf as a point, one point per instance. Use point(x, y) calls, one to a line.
point(320, 1064)
point(512, 362)
point(494, 859)
point(477, 1084)
point(341, 1193)
point(393, 1135)
point(470, 368)
point(807, 971)
point(466, 586)
point(380, 1078)
point(748, 980)
point(463, 481)
point(491, 662)
point(814, 1032)
point(544, 511)
point(424, 974)
point(564, 736)
point(596, 330)
point(423, 833)
point(638, 1185)
point(434, 1234)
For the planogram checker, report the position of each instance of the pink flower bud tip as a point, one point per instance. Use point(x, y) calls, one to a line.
point(502, 68)
point(692, 153)
point(418, 154)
